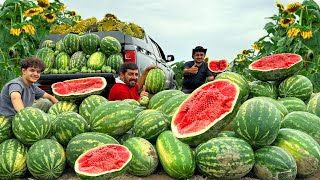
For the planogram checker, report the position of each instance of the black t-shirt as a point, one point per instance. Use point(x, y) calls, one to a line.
point(195, 80)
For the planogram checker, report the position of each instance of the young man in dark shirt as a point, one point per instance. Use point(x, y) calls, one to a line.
point(195, 72)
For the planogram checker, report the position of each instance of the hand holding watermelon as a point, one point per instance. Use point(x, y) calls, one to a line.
point(144, 91)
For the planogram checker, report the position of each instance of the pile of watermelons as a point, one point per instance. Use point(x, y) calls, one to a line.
point(86, 53)
point(226, 129)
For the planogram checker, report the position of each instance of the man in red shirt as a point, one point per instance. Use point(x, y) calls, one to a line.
point(128, 84)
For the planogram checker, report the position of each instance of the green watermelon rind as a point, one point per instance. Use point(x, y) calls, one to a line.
point(155, 81)
point(296, 86)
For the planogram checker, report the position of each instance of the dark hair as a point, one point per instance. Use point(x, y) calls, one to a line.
point(199, 49)
point(34, 62)
point(127, 65)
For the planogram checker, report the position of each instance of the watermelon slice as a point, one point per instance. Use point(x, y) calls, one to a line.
point(217, 66)
point(205, 112)
point(276, 67)
point(103, 162)
point(76, 89)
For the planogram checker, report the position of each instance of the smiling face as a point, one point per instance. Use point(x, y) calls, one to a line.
point(198, 57)
point(130, 77)
point(30, 75)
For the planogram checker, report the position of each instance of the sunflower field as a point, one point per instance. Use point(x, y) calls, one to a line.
point(294, 29)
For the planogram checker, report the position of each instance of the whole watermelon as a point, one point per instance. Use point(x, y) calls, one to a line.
point(47, 56)
point(5, 128)
point(71, 43)
point(110, 45)
point(96, 61)
point(78, 60)
point(89, 104)
point(62, 61)
point(155, 81)
point(90, 43)
point(115, 61)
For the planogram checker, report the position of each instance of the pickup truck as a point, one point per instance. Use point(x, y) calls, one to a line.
point(144, 52)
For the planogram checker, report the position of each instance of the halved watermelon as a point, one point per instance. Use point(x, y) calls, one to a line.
point(76, 89)
point(206, 112)
point(217, 66)
point(103, 162)
point(276, 67)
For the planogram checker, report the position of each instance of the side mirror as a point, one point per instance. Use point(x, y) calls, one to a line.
point(170, 58)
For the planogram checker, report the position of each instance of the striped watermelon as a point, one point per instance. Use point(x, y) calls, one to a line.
point(276, 66)
point(47, 56)
point(89, 104)
point(96, 61)
point(303, 121)
point(5, 128)
point(63, 106)
point(149, 124)
point(155, 80)
point(313, 105)
point(67, 125)
point(31, 125)
point(239, 80)
point(272, 162)
point(260, 88)
point(13, 159)
point(85, 141)
point(224, 158)
point(227, 134)
point(89, 43)
point(60, 46)
point(114, 118)
point(48, 43)
point(71, 43)
point(304, 149)
point(144, 157)
point(296, 86)
point(160, 98)
point(110, 45)
point(78, 60)
point(46, 159)
point(132, 102)
point(62, 61)
point(144, 101)
point(176, 158)
point(205, 112)
point(283, 110)
point(172, 104)
point(115, 61)
point(293, 104)
point(103, 162)
point(258, 122)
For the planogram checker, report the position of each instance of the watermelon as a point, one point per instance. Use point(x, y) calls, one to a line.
point(13, 159)
point(149, 124)
point(114, 118)
point(67, 125)
point(155, 80)
point(62, 106)
point(75, 89)
point(103, 162)
point(258, 122)
point(96, 61)
point(89, 104)
point(31, 125)
point(144, 101)
point(176, 158)
point(272, 162)
point(5, 128)
point(110, 45)
point(71, 43)
point(84, 142)
point(46, 159)
point(313, 105)
point(78, 60)
point(303, 121)
point(224, 158)
point(217, 66)
point(296, 86)
point(47, 56)
point(132, 102)
point(157, 100)
point(144, 157)
point(60, 46)
point(260, 88)
point(171, 105)
point(89, 43)
point(115, 61)
point(304, 149)
point(48, 43)
point(293, 104)
point(276, 66)
point(196, 121)
point(239, 80)
point(283, 110)
point(62, 61)
point(227, 134)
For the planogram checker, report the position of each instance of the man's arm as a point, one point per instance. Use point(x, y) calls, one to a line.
point(210, 78)
point(190, 71)
point(50, 97)
point(16, 101)
point(142, 78)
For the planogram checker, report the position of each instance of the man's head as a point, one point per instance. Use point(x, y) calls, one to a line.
point(129, 73)
point(198, 54)
point(31, 69)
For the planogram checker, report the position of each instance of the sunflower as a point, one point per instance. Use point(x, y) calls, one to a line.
point(33, 11)
point(280, 6)
point(306, 34)
point(28, 28)
point(60, 29)
point(291, 8)
point(257, 46)
point(240, 59)
point(43, 3)
point(108, 24)
point(83, 25)
point(49, 17)
point(72, 13)
point(245, 52)
point(294, 31)
point(61, 8)
point(228, 66)
point(15, 31)
point(285, 22)
point(206, 59)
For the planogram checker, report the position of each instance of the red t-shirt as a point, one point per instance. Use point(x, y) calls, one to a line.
point(121, 91)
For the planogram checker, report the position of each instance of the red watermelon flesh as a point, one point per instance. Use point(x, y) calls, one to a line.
point(217, 65)
point(106, 158)
point(276, 61)
point(207, 105)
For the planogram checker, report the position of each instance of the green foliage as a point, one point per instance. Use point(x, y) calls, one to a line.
point(178, 70)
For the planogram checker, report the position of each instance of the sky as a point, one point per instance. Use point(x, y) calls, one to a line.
point(225, 27)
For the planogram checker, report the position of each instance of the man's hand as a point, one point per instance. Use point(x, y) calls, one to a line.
point(144, 92)
point(193, 70)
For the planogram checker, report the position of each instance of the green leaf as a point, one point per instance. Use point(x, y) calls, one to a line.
point(282, 42)
point(6, 39)
point(269, 27)
point(313, 15)
point(311, 4)
point(314, 42)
